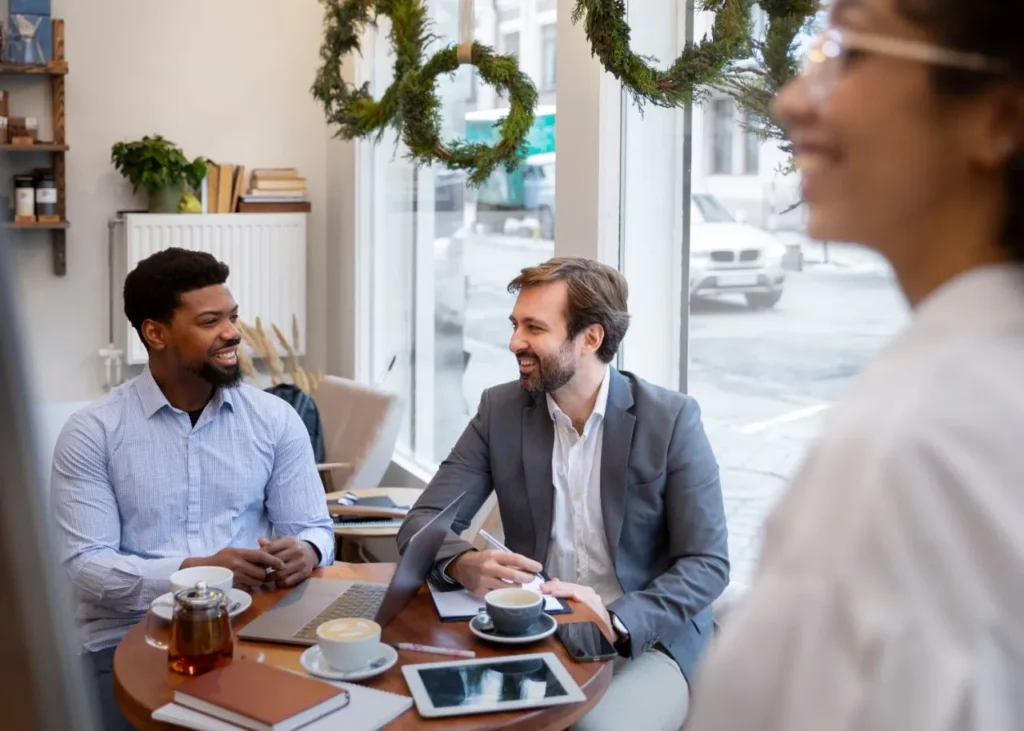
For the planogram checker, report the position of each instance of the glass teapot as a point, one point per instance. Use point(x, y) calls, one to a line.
point(200, 637)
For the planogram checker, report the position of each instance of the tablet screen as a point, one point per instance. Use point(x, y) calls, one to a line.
point(486, 684)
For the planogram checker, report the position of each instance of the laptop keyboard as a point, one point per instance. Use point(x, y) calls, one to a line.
point(359, 600)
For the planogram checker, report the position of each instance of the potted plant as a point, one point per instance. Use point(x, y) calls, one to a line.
point(159, 166)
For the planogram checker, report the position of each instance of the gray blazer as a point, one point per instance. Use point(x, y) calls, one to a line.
point(660, 496)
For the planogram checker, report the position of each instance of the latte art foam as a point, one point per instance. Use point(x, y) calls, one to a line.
point(348, 629)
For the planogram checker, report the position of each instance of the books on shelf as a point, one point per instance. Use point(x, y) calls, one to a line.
point(269, 190)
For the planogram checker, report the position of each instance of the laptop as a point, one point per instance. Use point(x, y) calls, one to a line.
point(294, 619)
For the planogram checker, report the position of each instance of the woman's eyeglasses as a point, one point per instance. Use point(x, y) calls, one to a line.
point(825, 59)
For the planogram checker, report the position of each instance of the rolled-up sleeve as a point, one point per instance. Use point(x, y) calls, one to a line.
point(89, 526)
point(295, 495)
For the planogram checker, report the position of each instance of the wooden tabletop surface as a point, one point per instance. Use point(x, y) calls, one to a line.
point(143, 682)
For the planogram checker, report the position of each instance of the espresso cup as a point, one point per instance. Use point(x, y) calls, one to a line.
point(348, 644)
point(513, 611)
point(215, 577)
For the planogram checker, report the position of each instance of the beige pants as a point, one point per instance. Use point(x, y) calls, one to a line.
point(649, 693)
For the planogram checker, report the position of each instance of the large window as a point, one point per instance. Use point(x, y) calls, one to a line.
point(765, 327)
point(548, 56)
point(442, 252)
point(730, 300)
point(721, 136)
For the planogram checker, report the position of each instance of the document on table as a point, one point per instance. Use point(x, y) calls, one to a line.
point(458, 604)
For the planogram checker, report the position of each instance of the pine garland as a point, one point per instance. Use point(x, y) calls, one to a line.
point(410, 104)
point(755, 86)
point(697, 69)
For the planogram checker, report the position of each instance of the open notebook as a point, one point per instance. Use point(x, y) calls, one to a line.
point(455, 605)
point(368, 710)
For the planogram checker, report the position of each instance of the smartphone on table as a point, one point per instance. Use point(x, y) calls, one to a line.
point(585, 642)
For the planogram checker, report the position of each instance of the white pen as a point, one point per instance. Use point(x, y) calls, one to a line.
point(502, 547)
point(434, 650)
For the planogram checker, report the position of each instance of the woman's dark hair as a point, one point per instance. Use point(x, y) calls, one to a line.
point(152, 291)
point(992, 28)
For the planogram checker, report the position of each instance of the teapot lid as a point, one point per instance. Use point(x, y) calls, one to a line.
point(200, 597)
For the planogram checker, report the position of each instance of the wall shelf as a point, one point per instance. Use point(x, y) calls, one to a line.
point(54, 74)
point(34, 148)
point(42, 226)
point(55, 68)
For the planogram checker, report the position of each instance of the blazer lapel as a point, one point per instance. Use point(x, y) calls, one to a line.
point(615, 446)
point(538, 442)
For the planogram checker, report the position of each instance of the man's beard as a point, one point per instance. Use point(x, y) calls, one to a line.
point(218, 377)
point(550, 373)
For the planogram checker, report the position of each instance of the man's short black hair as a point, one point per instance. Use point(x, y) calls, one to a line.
point(152, 291)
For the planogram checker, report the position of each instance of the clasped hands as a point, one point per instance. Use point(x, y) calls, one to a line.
point(286, 561)
point(481, 571)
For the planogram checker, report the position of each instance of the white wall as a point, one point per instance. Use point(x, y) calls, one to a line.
point(227, 79)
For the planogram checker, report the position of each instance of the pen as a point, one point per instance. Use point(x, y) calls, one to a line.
point(502, 547)
point(434, 650)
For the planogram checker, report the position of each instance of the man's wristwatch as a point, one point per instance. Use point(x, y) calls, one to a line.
point(621, 633)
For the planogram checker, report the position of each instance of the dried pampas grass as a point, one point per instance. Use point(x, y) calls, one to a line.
point(262, 346)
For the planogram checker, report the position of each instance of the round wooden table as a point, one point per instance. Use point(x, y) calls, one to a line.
point(143, 682)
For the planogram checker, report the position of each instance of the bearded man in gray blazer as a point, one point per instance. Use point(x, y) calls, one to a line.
point(602, 479)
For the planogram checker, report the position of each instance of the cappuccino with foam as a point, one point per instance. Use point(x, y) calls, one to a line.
point(348, 630)
point(349, 644)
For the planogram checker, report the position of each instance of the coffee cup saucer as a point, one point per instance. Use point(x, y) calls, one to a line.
point(315, 664)
point(163, 605)
point(544, 627)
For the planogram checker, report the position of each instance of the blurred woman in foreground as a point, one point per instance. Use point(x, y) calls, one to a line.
point(890, 593)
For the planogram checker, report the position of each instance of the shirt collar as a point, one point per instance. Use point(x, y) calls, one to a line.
point(153, 398)
point(600, 405)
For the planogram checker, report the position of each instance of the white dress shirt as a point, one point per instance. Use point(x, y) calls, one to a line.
point(890, 596)
point(578, 550)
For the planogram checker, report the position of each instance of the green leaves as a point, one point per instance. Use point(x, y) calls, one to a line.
point(153, 163)
point(410, 105)
point(690, 76)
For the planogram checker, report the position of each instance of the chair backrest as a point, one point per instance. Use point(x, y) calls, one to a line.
point(360, 426)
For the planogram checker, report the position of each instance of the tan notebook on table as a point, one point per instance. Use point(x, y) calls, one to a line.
point(260, 697)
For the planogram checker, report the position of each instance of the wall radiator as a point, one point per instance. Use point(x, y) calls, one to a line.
point(265, 251)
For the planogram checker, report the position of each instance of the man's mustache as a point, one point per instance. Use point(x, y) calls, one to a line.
point(225, 344)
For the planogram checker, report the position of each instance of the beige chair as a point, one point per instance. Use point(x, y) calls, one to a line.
point(360, 427)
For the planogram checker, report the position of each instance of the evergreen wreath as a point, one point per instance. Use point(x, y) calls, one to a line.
point(697, 69)
point(410, 104)
point(421, 111)
point(354, 111)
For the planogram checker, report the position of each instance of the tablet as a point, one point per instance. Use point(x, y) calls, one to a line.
point(490, 685)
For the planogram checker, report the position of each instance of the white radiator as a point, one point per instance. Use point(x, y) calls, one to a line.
point(266, 253)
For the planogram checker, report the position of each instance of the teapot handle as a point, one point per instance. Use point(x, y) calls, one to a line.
point(153, 635)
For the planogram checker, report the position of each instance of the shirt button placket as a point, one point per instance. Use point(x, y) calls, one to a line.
point(194, 514)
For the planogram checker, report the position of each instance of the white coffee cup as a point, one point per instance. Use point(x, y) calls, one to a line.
point(349, 644)
point(215, 577)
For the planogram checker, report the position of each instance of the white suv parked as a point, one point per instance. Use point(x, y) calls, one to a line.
point(728, 257)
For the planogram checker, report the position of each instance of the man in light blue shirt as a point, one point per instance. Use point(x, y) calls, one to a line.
point(182, 466)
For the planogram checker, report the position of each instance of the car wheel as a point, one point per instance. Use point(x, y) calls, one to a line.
point(763, 300)
point(547, 222)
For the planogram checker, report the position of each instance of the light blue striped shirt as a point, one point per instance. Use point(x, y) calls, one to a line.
point(136, 490)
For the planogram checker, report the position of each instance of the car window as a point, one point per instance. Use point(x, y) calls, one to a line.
point(707, 209)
